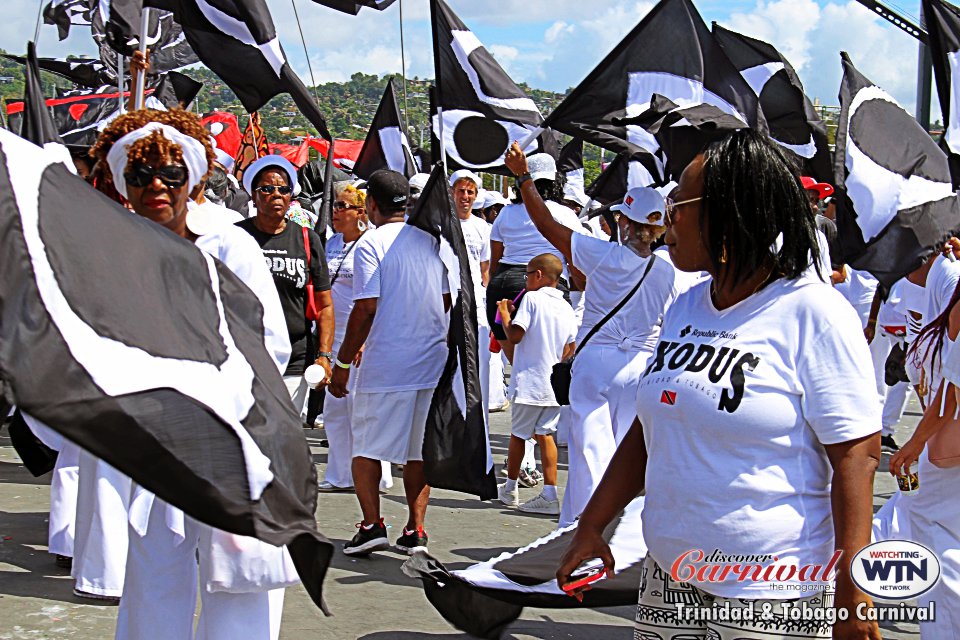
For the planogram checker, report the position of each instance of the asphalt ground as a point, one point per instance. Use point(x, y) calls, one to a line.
point(369, 598)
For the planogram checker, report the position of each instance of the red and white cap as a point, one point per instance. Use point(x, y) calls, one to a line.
point(822, 188)
point(644, 205)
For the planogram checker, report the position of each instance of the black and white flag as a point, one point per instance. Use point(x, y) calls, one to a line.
point(456, 451)
point(353, 8)
point(623, 173)
point(483, 110)
point(67, 13)
point(943, 27)
point(570, 164)
point(87, 73)
point(671, 53)
point(116, 28)
point(386, 146)
point(236, 39)
point(793, 122)
point(37, 126)
point(200, 417)
point(484, 598)
point(897, 202)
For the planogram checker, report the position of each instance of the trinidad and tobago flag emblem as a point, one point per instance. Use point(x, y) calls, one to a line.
point(668, 397)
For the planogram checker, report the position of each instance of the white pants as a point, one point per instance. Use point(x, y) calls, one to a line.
point(161, 591)
point(603, 391)
point(337, 414)
point(100, 547)
point(297, 387)
point(498, 390)
point(64, 486)
point(893, 399)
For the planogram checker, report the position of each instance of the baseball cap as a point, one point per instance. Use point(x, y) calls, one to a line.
point(822, 188)
point(643, 205)
point(542, 166)
point(389, 189)
point(419, 181)
point(469, 175)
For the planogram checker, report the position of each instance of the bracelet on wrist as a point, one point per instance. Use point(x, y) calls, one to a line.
point(325, 354)
point(522, 178)
point(342, 365)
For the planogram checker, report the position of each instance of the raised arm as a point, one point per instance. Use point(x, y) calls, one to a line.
point(555, 233)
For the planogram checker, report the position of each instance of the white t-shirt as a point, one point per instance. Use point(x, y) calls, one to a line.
point(859, 289)
point(340, 262)
point(612, 270)
point(941, 283)
point(521, 240)
point(736, 407)
point(476, 235)
point(400, 265)
point(549, 325)
point(237, 249)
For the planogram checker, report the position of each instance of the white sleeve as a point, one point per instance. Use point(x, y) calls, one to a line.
point(839, 388)
point(525, 312)
point(589, 252)
point(240, 252)
point(485, 250)
point(366, 271)
point(495, 229)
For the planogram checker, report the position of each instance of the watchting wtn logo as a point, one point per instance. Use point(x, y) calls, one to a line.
point(895, 569)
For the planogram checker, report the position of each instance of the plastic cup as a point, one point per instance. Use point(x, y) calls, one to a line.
point(314, 375)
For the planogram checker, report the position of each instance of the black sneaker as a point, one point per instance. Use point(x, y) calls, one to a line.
point(888, 444)
point(369, 538)
point(412, 541)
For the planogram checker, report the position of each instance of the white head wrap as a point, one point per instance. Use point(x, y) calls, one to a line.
point(269, 161)
point(194, 154)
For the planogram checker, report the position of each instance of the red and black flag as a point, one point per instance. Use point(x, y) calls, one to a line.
point(87, 73)
point(177, 391)
point(386, 146)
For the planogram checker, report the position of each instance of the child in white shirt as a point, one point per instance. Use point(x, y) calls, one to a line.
point(543, 330)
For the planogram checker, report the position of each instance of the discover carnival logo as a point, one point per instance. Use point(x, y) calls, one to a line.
point(895, 569)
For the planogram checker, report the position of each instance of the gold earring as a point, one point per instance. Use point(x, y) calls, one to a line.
point(723, 254)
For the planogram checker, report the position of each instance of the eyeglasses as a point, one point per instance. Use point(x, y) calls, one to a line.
point(671, 208)
point(268, 189)
point(141, 175)
point(340, 204)
point(530, 273)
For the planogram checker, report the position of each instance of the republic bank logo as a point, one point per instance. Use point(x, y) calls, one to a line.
point(686, 331)
point(895, 569)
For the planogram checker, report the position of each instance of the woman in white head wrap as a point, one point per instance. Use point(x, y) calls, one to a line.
point(154, 160)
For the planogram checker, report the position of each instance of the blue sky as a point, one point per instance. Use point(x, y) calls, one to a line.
point(553, 44)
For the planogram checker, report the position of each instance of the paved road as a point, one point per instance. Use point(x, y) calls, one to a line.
point(370, 598)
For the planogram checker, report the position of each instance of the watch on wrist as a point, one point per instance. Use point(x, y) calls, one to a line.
point(521, 179)
point(325, 354)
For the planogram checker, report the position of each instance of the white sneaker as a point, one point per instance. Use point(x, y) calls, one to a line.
point(541, 505)
point(509, 498)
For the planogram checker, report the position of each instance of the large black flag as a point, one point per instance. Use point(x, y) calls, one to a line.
point(456, 453)
point(87, 73)
point(353, 8)
point(116, 28)
point(386, 146)
point(570, 164)
point(67, 13)
point(793, 122)
point(37, 126)
point(484, 111)
point(237, 40)
point(618, 176)
point(896, 199)
point(484, 598)
point(943, 25)
point(671, 53)
point(177, 391)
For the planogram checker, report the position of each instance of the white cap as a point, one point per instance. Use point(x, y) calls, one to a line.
point(644, 205)
point(481, 201)
point(224, 158)
point(495, 197)
point(419, 181)
point(469, 175)
point(542, 166)
point(268, 161)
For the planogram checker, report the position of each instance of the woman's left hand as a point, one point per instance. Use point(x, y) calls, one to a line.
point(515, 160)
point(908, 454)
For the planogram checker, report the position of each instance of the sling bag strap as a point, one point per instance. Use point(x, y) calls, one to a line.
point(617, 308)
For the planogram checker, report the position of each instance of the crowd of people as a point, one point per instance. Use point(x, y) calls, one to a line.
point(718, 360)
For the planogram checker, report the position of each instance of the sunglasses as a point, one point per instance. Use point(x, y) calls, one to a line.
point(141, 175)
point(671, 208)
point(340, 204)
point(268, 189)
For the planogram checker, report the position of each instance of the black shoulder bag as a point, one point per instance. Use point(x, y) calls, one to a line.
point(562, 371)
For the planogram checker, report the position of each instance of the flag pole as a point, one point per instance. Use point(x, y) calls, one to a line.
point(313, 80)
point(142, 76)
point(36, 31)
point(123, 107)
point(530, 138)
point(403, 66)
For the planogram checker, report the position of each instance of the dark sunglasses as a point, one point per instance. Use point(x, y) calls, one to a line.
point(340, 204)
point(268, 189)
point(172, 175)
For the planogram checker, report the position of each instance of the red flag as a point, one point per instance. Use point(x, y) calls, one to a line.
point(225, 128)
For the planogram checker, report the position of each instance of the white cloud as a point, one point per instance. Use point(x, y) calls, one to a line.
point(556, 30)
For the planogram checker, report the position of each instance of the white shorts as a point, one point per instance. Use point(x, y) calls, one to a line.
point(530, 420)
point(389, 425)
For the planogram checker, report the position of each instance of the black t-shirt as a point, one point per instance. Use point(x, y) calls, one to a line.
point(286, 257)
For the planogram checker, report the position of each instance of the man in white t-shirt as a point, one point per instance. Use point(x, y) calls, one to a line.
point(401, 297)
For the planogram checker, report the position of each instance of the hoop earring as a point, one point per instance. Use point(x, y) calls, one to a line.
point(361, 226)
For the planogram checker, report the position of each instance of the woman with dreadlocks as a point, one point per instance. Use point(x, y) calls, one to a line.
point(152, 160)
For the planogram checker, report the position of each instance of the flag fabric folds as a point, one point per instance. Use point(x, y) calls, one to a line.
point(570, 164)
point(253, 146)
point(386, 146)
point(793, 122)
point(484, 598)
point(897, 202)
point(67, 13)
point(456, 452)
point(77, 116)
point(88, 73)
point(237, 40)
point(671, 53)
point(115, 26)
point(199, 417)
point(483, 110)
point(353, 8)
point(943, 26)
point(37, 126)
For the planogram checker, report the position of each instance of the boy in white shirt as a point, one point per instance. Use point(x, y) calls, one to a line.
point(544, 330)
